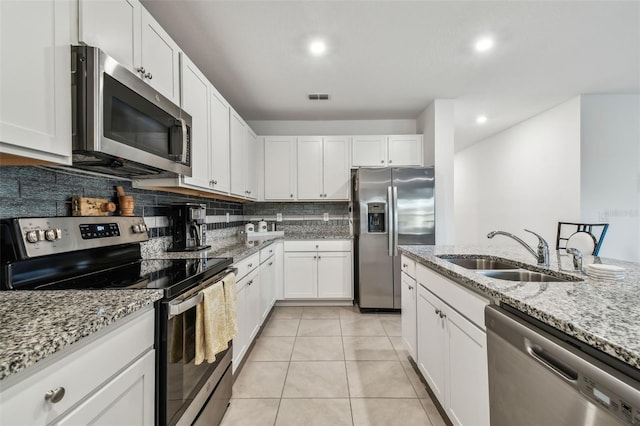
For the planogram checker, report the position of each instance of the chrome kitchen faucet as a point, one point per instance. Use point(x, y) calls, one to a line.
point(543, 247)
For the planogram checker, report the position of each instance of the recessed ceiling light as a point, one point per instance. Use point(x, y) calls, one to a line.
point(481, 119)
point(484, 44)
point(317, 47)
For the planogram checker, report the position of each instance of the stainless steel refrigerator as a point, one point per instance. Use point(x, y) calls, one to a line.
point(391, 207)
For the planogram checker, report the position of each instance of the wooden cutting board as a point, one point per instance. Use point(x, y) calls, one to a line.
point(86, 206)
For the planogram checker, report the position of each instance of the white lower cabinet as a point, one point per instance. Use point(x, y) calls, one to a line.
point(451, 347)
point(408, 306)
point(248, 313)
point(119, 402)
point(255, 295)
point(107, 378)
point(318, 270)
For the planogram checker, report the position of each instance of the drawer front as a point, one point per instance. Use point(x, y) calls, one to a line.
point(318, 245)
point(79, 372)
point(247, 265)
point(267, 252)
point(408, 266)
point(468, 303)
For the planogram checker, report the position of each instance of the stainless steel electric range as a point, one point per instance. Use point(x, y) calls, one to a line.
point(84, 253)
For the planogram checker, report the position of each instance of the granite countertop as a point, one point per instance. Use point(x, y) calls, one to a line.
point(317, 236)
point(36, 324)
point(230, 247)
point(605, 315)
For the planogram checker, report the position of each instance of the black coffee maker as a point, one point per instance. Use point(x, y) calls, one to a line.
point(188, 224)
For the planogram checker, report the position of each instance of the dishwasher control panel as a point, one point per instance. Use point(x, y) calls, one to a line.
point(609, 400)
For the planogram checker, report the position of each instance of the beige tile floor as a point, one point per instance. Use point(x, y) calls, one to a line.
point(329, 366)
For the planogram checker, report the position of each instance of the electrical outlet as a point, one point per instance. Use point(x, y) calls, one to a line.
point(228, 218)
point(325, 217)
point(278, 217)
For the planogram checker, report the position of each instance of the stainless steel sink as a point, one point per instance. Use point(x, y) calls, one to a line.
point(524, 275)
point(478, 263)
point(505, 270)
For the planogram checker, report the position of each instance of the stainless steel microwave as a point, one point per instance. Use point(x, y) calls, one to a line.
point(122, 126)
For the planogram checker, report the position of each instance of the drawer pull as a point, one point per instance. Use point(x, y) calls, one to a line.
point(250, 265)
point(404, 265)
point(270, 263)
point(439, 312)
point(250, 282)
point(410, 287)
point(54, 395)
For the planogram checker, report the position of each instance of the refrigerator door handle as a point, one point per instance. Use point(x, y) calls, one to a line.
point(395, 220)
point(390, 211)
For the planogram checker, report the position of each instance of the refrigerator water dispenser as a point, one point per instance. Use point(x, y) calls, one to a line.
point(376, 218)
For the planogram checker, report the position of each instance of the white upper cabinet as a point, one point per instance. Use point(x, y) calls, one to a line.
point(369, 151)
point(238, 143)
point(405, 150)
point(113, 26)
point(159, 58)
point(127, 32)
point(219, 148)
point(387, 151)
point(310, 181)
point(336, 170)
point(252, 146)
point(243, 141)
point(195, 102)
point(279, 168)
point(323, 168)
point(35, 82)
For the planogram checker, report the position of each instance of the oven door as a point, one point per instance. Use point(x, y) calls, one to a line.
point(184, 387)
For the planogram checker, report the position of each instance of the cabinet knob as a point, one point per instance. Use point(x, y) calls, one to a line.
point(291, 195)
point(442, 315)
point(404, 265)
point(54, 395)
point(390, 161)
point(438, 311)
point(317, 246)
point(410, 287)
point(319, 257)
point(270, 263)
point(148, 75)
point(381, 161)
point(320, 195)
point(315, 257)
point(140, 70)
point(215, 182)
point(250, 282)
point(250, 265)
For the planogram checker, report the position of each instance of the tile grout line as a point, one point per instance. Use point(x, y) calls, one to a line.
point(287, 373)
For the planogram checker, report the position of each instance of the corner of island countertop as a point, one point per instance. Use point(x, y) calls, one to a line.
point(604, 315)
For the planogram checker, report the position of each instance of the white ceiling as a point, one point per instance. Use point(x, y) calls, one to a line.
point(390, 59)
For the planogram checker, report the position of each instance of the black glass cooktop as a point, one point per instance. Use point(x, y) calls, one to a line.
point(174, 276)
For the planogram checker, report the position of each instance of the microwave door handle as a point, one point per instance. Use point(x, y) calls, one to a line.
point(184, 140)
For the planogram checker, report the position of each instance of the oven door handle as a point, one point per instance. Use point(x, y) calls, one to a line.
point(177, 308)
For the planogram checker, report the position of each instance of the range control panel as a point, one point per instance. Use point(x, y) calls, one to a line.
point(44, 236)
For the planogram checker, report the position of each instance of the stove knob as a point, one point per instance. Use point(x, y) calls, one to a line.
point(58, 234)
point(32, 236)
point(136, 229)
point(50, 234)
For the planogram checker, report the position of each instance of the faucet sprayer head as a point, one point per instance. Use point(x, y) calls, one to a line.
point(492, 234)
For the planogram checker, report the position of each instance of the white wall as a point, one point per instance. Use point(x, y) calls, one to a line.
point(527, 176)
point(436, 125)
point(332, 127)
point(610, 161)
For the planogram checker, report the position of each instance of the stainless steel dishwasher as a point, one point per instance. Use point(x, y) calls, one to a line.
point(542, 377)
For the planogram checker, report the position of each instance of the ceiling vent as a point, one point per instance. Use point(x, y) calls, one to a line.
point(318, 96)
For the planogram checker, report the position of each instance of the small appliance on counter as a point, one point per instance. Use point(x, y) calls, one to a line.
point(188, 224)
point(262, 226)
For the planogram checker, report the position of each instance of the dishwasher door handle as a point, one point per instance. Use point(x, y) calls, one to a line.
point(551, 362)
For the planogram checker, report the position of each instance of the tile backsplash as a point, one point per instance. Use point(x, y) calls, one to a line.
point(32, 191)
point(47, 191)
